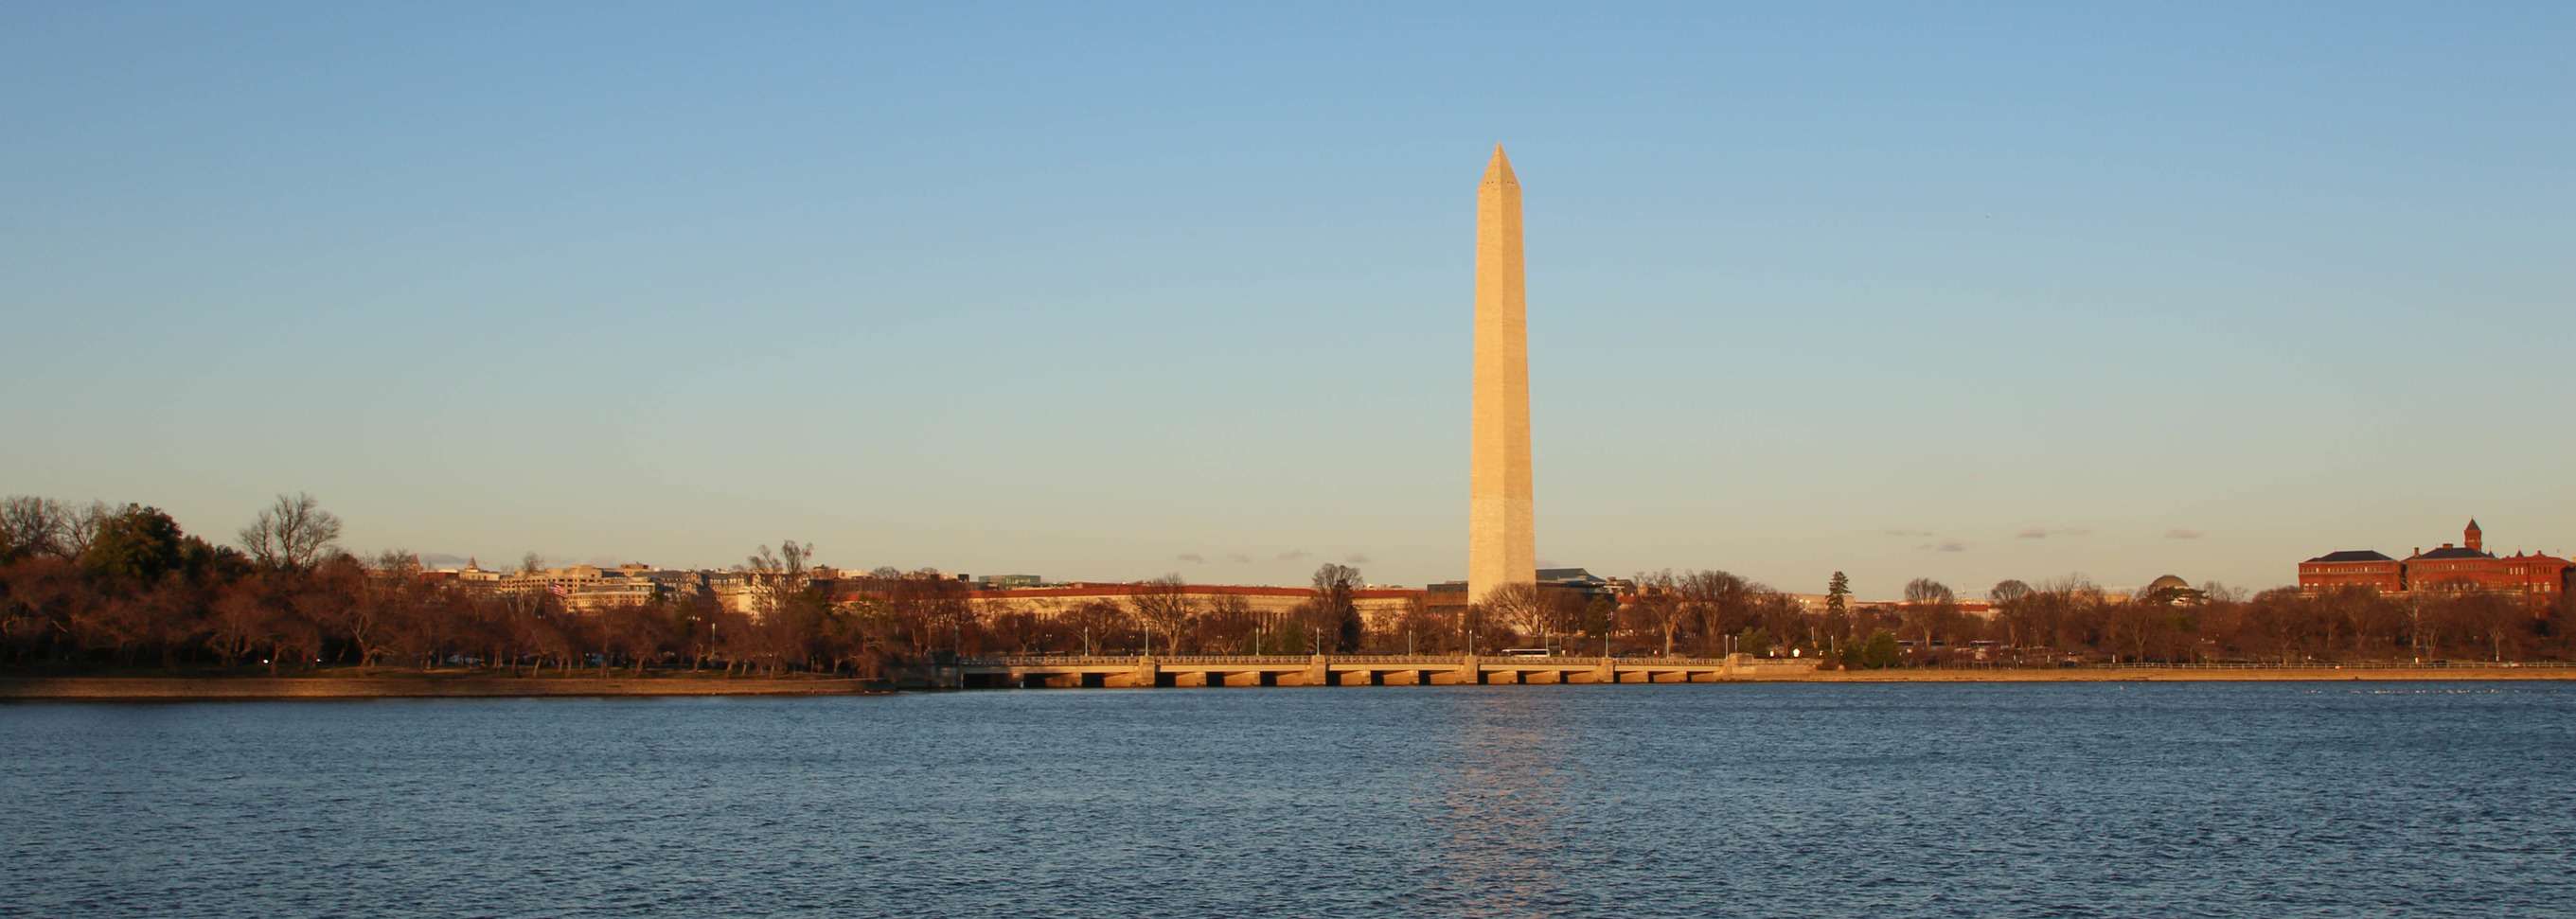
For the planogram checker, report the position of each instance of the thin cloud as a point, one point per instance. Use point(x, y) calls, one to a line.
point(2185, 534)
point(1293, 555)
point(2045, 532)
point(1909, 533)
point(1190, 557)
point(1238, 558)
point(1948, 546)
point(1355, 558)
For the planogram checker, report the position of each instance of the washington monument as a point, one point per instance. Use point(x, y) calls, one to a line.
point(1502, 547)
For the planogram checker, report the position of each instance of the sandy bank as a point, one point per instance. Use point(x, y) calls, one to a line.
point(2184, 674)
point(391, 686)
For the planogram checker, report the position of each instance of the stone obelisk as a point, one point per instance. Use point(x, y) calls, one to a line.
point(1502, 547)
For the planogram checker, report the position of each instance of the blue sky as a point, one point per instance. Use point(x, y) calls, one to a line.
point(1090, 291)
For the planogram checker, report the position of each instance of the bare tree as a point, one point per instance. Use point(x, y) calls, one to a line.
point(1929, 606)
point(81, 526)
point(1335, 609)
point(1522, 606)
point(1093, 620)
point(2007, 596)
point(392, 594)
point(775, 579)
point(933, 608)
point(1714, 603)
point(292, 534)
point(1927, 590)
point(1160, 605)
point(1658, 607)
point(1230, 622)
point(33, 526)
point(2054, 612)
point(1779, 614)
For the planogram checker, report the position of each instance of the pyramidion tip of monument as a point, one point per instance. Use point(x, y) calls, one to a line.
point(1499, 169)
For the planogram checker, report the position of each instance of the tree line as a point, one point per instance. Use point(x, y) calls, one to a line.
point(99, 584)
point(102, 585)
point(2073, 620)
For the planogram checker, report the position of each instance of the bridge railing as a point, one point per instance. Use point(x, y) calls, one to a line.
point(1264, 660)
point(2317, 665)
point(1631, 661)
point(1300, 660)
point(1130, 660)
point(1050, 660)
point(1407, 660)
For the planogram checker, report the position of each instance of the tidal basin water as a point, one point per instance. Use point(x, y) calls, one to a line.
point(2151, 799)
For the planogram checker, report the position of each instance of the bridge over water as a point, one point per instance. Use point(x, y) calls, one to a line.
point(1066, 671)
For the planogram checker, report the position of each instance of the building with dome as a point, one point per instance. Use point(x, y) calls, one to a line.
point(2171, 591)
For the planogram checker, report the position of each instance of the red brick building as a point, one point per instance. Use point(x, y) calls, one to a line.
point(2538, 577)
point(2352, 568)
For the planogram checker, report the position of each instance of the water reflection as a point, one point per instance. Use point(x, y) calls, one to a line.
point(1499, 817)
point(2210, 800)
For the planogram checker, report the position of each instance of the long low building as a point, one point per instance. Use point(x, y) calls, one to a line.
point(1378, 607)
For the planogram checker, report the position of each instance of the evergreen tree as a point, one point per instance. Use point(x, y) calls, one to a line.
point(136, 544)
point(1881, 652)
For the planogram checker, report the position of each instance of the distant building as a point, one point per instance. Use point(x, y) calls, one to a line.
point(1585, 584)
point(2537, 577)
point(1378, 607)
point(471, 577)
point(2171, 591)
point(1445, 597)
point(590, 588)
point(2352, 568)
point(1451, 596)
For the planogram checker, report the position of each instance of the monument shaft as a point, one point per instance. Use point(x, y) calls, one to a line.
point(1502, 546)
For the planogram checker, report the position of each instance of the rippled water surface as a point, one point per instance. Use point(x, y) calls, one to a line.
point(1717, 800)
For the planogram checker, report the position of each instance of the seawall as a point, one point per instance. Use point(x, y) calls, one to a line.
point(416, 686)
point(2186, 674)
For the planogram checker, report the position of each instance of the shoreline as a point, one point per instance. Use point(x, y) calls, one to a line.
point(419, 685)
point(2192, 675)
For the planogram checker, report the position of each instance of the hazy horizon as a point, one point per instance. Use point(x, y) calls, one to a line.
point(1099, 294)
